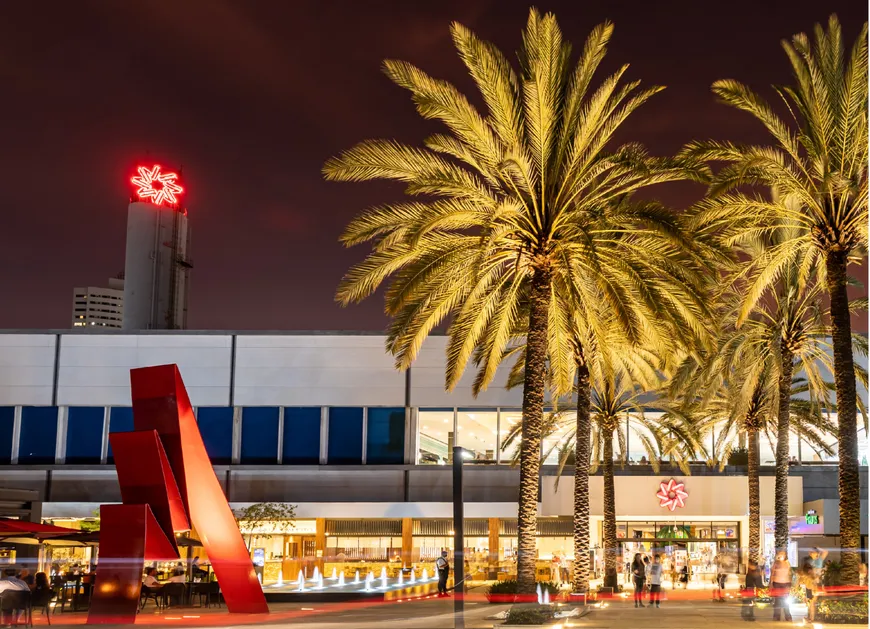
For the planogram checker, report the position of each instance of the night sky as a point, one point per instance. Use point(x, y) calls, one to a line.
point(251, 97)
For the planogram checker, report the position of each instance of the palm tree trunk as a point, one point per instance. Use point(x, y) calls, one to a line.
point(847, 433)
point(782, 434)
point(530, 447)
point(754, 495)
point(610, 550)
point(581, 479)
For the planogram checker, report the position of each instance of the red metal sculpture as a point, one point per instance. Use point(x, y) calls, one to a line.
point(186, 491)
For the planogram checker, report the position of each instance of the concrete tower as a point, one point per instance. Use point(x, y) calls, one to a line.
point(157, 265)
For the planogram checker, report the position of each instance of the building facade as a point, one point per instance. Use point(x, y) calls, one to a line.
point(324, 422)
point(99, 307)
point(156, 267)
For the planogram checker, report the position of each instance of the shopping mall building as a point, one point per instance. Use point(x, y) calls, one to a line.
point(324, 422)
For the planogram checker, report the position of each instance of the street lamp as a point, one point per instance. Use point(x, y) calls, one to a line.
point(459, 455)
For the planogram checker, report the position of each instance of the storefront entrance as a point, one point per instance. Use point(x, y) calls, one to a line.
point(687, 549)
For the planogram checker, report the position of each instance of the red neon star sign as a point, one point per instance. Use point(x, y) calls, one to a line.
point(672, 494)
point(157, 186)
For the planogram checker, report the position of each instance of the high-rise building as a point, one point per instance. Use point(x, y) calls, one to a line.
point(98, 306)
point(157, 265)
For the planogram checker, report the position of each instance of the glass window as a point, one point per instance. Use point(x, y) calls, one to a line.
point(862, 443)
point(84, 434)
point(345, 436)
point(216, 427)
point(385, 436)
point(7, 420)
point(511, 423)
point(301, 435)
point(259, 434)
point(767, 448)
point(477, 432)
point(556, 443)
point(38, 434)
point(435, 426)
point(120, 420)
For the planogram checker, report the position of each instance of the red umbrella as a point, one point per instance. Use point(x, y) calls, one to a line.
point(21, 528)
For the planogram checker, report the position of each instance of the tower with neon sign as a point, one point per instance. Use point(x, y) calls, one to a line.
point(157, 265)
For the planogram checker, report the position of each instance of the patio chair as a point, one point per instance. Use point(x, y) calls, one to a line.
point(173, 594)
point(207, 590)
point(41, 599)
point(15, 603)
point(153, 594)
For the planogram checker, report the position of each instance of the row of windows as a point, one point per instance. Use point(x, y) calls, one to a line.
point(269, 435)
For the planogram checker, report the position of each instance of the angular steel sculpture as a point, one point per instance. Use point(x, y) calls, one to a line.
point(167, 483)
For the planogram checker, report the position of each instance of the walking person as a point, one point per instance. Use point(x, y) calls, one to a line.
point(809, 578)
point(754, 581)
point(638, 575)
point(780, 586)
point(646, 565)
point(655, 581)
point(721, 578)
point(443, 568)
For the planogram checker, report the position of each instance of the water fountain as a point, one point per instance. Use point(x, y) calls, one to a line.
point(413, 579)
point(425, 576)
point(334, 574)
point(319, 581)
point(260, 579)
point(300, 582)
point(341, 580)
point(546, 596)
point(401, 581)
point(384, 579)
point(369, 578)
point(540, 598)
point(383, 573)
point(356, 578)
point(316, 573)
point(280, 583)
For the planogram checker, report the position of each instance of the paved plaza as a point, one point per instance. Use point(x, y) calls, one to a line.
point(682, 610)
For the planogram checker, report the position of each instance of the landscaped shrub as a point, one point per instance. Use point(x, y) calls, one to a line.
point(506, 591)
point(850, 610)
point(530, 615)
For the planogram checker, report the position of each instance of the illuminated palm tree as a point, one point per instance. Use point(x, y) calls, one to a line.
point(817, 165)
point(750, 382)
point(621, 376)
point(501, 219)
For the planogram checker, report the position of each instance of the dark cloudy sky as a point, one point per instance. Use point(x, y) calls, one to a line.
point(251, 96)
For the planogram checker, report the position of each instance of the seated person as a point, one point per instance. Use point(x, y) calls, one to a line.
point(11, 582)
point(197, 571)
point(178, 575)
point(150, 579)
point(25, 576)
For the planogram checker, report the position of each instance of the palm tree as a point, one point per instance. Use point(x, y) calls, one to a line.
point(621, 375)
point(501, 220)
point(742, 384)
point(818, 167)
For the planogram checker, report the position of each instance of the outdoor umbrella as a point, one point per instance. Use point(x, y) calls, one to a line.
point(23, 532)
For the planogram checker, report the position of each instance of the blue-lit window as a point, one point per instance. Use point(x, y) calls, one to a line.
point(38, 434)
point(84, 434)
point(385, 436)
point(260, 434)
point(301, 435)
point(120, 420)
point(216, 428)
point(345, 436)
point(7, 420)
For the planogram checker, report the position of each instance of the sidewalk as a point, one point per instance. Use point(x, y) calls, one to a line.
point(437, 613)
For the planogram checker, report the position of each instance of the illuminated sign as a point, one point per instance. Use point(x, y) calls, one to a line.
point(158, 187)
point(812, 517)
point(672, 494)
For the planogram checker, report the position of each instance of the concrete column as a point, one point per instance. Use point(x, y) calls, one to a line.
point(407, 541)
point(494, 526)
point(320, 543)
